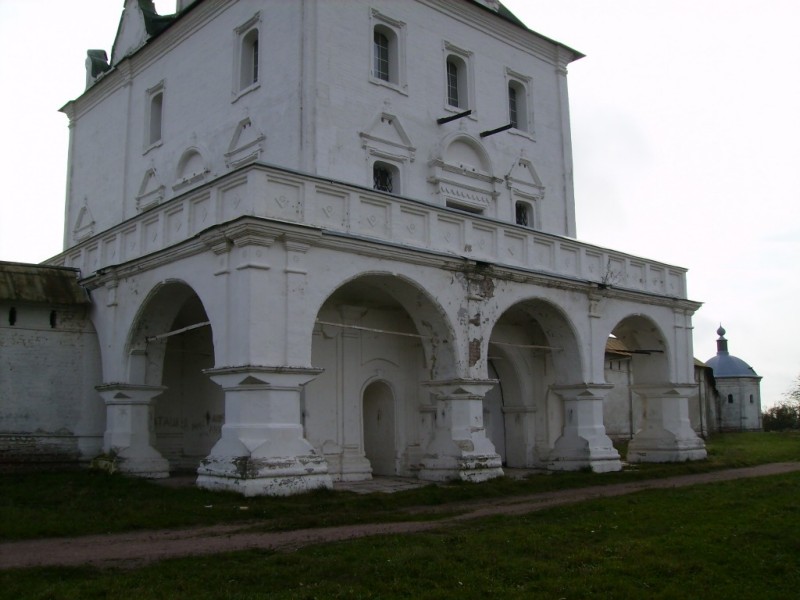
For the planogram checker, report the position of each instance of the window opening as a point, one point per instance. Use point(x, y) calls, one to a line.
point(12, 316)
point(751, 398)
point(382, 178)
point(381, 56)
point(512, 107)
point(452, 84)
point(249, 58)
point(52, 319)
point(156, 109)
point(730, 398)
point(523, 214)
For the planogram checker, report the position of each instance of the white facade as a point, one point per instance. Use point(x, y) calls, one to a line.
point(264, 311)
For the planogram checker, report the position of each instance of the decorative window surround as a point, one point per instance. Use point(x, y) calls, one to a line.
point(192, 169)
point(246, 63)
point(527, 188)
point(84, 224)
point(151, 191)
point(462, 59)
point(522, 85)
point(246, 145)
point(154, 117)
point(395, 34)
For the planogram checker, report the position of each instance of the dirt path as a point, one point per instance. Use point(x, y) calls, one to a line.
point(135, 549)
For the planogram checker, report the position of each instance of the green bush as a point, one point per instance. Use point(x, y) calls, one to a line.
point(785, 415)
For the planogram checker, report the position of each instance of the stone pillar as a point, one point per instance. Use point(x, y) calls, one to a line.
point(127, 439)
point(459, 448)
point(666, 434)
point(583, 442)
point(262, 450)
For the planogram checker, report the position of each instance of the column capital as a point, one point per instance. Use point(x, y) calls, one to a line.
point(665, 390)
point(583, 391)
point(251, 377)
point(128, 393)
point(454, 389)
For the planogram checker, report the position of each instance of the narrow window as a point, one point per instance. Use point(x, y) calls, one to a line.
point(156, 110)
point(383, 177)
point(12, 316)
point(523, 214)
point(512, 108)
point(517, 106)
point(452, 84)
point(381, 57)
point(751, 398)
point(249, 60)
point(53, 320)
point(730, 398)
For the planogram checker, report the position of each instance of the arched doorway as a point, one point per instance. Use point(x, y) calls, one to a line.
point(379, 428)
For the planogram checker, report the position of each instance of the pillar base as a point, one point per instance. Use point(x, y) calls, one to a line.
point(127, 446)
point(261, 450)
point(264, 476)
point(583, 443)
point(666, 435)
point(460, 449)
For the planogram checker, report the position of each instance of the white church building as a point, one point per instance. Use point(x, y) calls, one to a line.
point(313, 241)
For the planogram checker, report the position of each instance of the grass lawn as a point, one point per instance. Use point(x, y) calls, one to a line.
point(732, 540)
point(82, 502)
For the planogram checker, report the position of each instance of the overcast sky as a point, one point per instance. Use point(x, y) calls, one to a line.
point(685, 128)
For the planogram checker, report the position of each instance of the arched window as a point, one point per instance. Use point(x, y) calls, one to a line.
point(385, 177)
point(456, 82)
point(249, 60)
point(156, 113)
point(381, 68)
point(517, 105)
point(387, 61)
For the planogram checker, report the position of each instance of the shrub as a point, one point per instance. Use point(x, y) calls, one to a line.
point(786, 414)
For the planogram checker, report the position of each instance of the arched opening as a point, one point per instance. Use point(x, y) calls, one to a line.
point(171, 346)
point(379, 428)
point(378, 339)
point(532, 349)
point(635, 355)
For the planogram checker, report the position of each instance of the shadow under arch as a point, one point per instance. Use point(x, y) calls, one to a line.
point(171, 345)
point(533, 348)
point(375, 327)
point(390, 291)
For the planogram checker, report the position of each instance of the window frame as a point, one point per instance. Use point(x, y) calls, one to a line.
point(522, 85)
point(393, 168)
point(462, 60)
point(247, 61)
point(154, 94)
point(395, 33)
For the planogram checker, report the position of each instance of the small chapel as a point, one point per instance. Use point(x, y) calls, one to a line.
point(316, 241)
